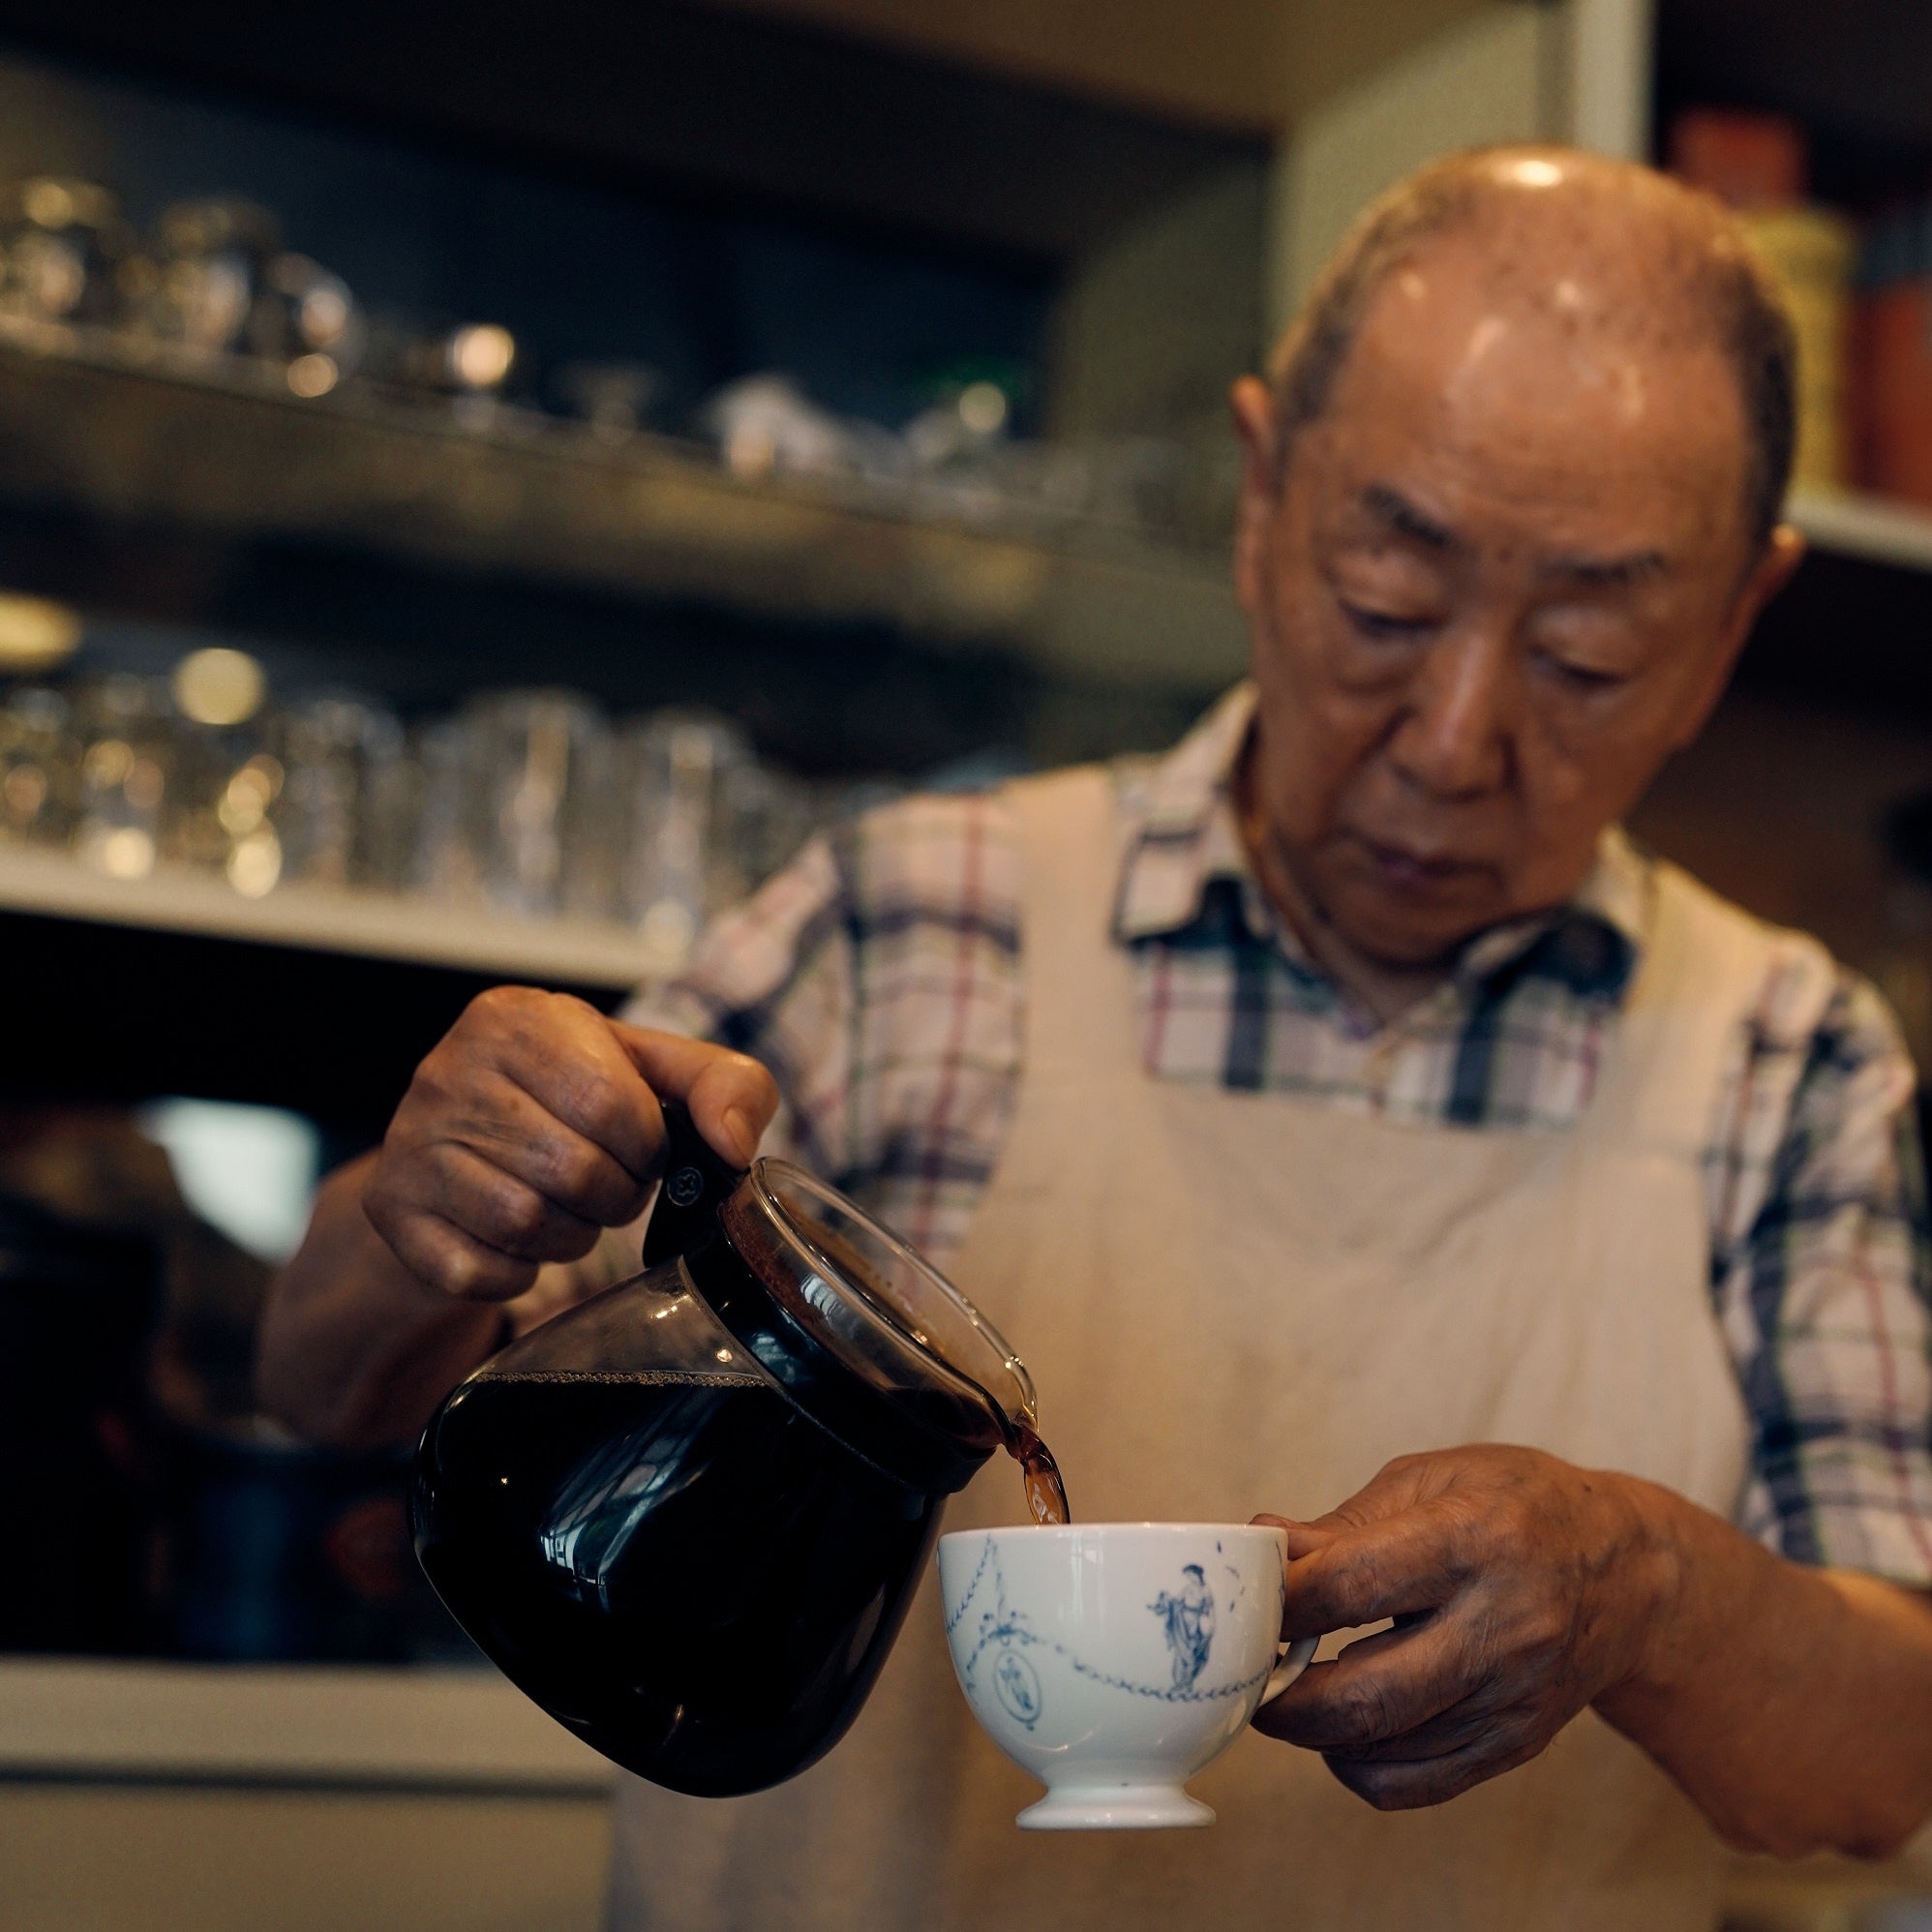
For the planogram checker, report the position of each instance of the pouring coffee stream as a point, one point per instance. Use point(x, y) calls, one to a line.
point(687, 1517)
point(1045, 1487)
point(694, 1174)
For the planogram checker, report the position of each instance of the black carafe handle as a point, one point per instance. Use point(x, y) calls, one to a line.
point(696, 1181)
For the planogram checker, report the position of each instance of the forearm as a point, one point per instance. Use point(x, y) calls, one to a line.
point(354, 1350)
point(1792, 1704)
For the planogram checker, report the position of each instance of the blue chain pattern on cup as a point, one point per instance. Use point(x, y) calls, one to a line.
point(1009, 1630)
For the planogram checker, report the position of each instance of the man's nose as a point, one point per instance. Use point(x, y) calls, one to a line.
point(1454, 738)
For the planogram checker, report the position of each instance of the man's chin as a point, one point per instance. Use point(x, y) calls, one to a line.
point(1400, 941)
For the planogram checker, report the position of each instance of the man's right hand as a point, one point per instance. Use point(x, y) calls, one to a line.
point(532, 1125)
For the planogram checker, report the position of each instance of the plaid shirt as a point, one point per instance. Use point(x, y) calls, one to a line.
point(880, 976)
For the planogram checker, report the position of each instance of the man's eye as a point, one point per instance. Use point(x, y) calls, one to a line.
point(1583, 676)
point(1386, 624)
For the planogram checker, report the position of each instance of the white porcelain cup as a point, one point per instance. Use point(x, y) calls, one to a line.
point(1114, 1660)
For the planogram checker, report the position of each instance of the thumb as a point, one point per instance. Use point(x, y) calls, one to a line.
point(730, 1096)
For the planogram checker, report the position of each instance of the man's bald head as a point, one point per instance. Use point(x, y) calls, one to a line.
point(1618, 247)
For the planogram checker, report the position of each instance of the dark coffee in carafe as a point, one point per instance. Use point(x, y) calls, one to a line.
point(681, 1567)
point(688, 1516)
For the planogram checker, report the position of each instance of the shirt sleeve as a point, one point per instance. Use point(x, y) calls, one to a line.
point(775, 978)
point(878, 976)
point(1825, 1290)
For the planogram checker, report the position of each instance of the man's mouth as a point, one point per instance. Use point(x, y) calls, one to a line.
point(1410, 870)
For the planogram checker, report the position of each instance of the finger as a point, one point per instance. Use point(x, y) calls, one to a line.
point(733, 1099)
point(442, 1256)
point(513, 1131)
point(568, 1058)
point(1303, 1537)
point(459, 1186)
point(1379, 1689)
point(1398, 1567)
point(1407, 1787)
point(1468, 1722)
point(1397, 1487)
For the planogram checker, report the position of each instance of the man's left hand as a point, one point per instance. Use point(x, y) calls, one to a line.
point(1522, 1589)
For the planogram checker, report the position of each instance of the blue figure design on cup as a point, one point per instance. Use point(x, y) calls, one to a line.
point(1018, 1687)
point(1188, 1617)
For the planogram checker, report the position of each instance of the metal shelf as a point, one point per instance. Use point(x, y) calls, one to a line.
point(315, 919)
point(95, 421)
point(89, 421)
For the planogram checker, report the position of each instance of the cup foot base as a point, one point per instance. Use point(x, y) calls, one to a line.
point(1116, 1808)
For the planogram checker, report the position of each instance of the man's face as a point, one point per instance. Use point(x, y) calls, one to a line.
point(1495, 586)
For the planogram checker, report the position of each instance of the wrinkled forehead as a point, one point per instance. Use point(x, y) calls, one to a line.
point(1570, 280)
point(1629, 222)
point(1555, 351)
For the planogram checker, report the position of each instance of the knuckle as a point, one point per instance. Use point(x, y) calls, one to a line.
point(457, 1272)
point(1468, 1545)
point(443, 1075)
point(1350, 1595)
point(1365, 1710)
point(575, 1171)
point(443, 1078)
point(1519, 1517)
point(500, 1006)
point(518, 1213)
point(467, 1275)
point(1545, 1626)
point(1352, 1584)
point(595, 1102)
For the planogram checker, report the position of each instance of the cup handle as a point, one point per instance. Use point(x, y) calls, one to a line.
point(1294, 1660)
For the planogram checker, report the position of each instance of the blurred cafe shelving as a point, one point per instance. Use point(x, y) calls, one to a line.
point(439, 554)
point(442, 550)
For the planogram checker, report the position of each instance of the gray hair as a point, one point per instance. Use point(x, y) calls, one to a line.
point(1726, 288)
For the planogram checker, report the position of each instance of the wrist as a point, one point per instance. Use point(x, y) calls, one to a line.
point(1651, 1577)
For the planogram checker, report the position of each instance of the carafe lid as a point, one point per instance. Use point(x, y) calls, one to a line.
point(888, 1316)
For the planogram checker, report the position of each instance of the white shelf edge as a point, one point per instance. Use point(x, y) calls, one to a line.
point(326, 920)
point(1875, 529)
point(333, 1724)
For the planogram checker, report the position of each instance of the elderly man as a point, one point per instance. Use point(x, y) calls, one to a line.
point(1341, 1092)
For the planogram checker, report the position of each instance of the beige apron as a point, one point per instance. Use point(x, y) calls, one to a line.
point(1236, 1302)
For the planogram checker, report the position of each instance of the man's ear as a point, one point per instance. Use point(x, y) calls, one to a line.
point(1783, 554)
point(1256, 428)
point(1771, 572)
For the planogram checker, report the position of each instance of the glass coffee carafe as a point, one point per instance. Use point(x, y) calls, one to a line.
point(686, 1518)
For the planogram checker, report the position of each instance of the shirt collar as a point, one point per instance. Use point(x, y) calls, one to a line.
point(1180, 838)
point(1177, 818)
